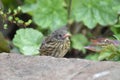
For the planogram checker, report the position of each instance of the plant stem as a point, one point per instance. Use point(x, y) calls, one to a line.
point(69, 8)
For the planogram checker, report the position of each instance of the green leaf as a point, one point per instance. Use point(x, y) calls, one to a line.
point(28, 41)
point(79, 41)
point(115, 29)
point(110, 52)
point(92, 56)
point(9, 4)
point(29, 6)
point(4, 45)
point(117, 36)
point(104, 55)
point(91, 12)
point(48, 13)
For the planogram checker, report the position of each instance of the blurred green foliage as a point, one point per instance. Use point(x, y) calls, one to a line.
point(110, 52)
point(116, 29)
point(92, 56)
point(47, 13)
point(108, 49)
point(91, 12)
point(4, 44)
point(10, 4)
point(79, 41)
point(53, 14)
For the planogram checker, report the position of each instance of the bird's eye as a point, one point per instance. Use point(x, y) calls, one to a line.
point(60, 35)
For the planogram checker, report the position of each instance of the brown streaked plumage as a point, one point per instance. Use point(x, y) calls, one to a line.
point(56, 44)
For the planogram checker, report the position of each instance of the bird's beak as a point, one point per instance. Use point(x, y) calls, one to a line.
point(67, 35)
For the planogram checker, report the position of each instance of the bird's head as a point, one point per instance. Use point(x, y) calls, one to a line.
point(61, 34)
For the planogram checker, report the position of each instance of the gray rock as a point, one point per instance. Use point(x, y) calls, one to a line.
point(19, 67)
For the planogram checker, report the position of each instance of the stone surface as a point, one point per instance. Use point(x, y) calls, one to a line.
point(19, 67)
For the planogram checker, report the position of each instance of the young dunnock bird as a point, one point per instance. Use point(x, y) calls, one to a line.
point(56, 44)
